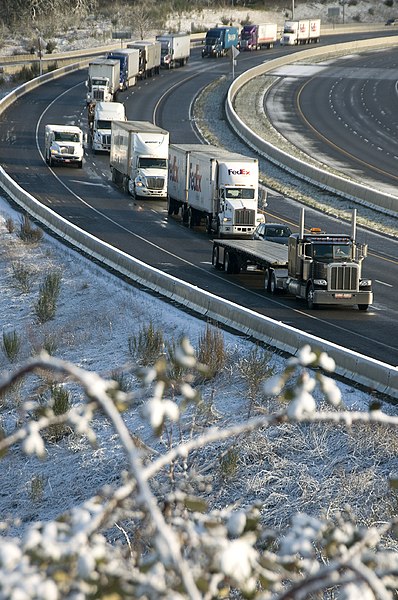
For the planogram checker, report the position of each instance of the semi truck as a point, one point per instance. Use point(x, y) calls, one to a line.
point(149, 57)
point(317, 267)
point(103, 80)
point(138, 158)
point(175, 49)
point(255, 37)
point(219, 40)
point(129, 66)
point(100, 117)
point(63, 144)
point(210, 184)
point(305, 31)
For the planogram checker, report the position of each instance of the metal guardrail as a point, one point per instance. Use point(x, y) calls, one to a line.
point(355, 367)
point(337, 184)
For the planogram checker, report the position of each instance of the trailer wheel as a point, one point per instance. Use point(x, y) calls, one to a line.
point(184, 214)
point(272, 284)
point(170, 205)
point(125, 185)
point(191, 218)
point(363, 306)
point(230, 263)
point(267, 281)
point(215, 258)
point(310, 298)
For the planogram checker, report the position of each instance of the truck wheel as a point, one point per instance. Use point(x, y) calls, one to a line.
point(310, 298)
point(50, 161)
point(215, 258)
point(363, 306)
point(80, 164)
point(209, 229)
point(272, 284)
point(170, 206)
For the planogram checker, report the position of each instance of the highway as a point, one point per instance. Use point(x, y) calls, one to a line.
point(344, 114)
point(89, 199)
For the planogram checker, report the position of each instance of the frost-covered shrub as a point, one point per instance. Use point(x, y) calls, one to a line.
point(156, 531)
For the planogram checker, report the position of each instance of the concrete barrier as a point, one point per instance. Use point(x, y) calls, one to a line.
point(355, 367)
point(12, 64)
point(361, 194)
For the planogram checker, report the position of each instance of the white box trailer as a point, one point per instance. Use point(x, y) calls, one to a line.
point(175, 49)
point(255, 37)
point(138, 158)
point(267, 35)
point(212, 184)
point(315, 31)
point(149, 57)
point(304, 31)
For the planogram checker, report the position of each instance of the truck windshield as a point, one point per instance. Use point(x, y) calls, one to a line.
point(165, 48)
point(66, 136)
point(150, 162)
point(102, 124)
point(99, 81)
point(246, 35)
point(328, 252)
point(212, 41)
point(240, 193)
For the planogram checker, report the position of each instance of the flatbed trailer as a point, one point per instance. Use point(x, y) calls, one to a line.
point(234, 256)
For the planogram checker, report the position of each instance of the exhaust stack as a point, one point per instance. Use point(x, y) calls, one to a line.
point(354, 224)
point(301, 230)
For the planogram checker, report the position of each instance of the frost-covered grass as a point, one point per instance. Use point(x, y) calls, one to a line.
point(287, 468)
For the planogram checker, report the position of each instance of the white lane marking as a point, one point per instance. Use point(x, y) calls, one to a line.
point(383, 283)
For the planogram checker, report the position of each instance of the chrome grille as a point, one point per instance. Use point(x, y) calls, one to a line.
point(106, 140)
point(67, 150)
point(98, 94)
point(244, 216)
point(344, 277)
point(155, 183)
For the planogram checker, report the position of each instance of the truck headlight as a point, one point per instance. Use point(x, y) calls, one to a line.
point(321, 282)
point(139, 183)
point(365, 283)
point(227, 219)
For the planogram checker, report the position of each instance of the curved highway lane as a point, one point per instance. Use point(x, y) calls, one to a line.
point(89, 199)
point(343, 113)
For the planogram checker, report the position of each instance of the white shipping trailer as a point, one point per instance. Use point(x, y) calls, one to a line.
point(212, 184)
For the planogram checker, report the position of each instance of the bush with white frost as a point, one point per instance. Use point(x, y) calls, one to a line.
point(154, 533)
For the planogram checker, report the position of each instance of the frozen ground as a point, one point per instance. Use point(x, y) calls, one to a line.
point(93, 32)
point(96, 315)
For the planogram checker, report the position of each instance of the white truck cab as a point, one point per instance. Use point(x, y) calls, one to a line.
point(104, 114)
point(63, 144)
